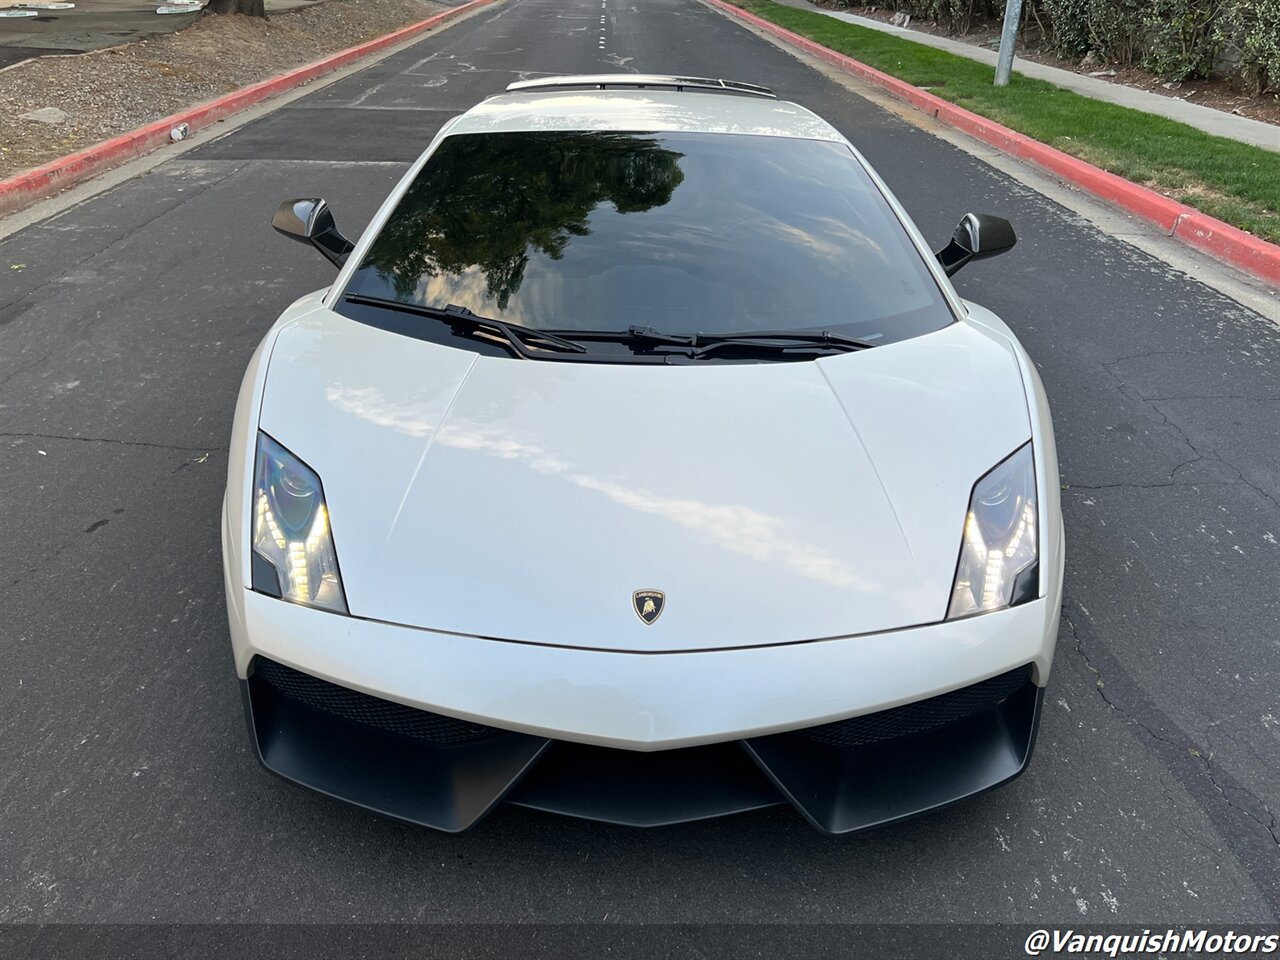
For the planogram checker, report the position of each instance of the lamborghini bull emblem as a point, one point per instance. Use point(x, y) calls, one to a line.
point(648, 604)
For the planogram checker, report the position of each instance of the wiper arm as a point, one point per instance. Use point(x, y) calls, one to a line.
point(799, 337)
point(516, 334)
point(701, 344)
point(638, 334)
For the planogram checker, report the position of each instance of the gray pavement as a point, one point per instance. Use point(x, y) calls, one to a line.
point(129, 792)
point(1218, 122)
point(90, 25)
point(98, 24)
point(10, 55)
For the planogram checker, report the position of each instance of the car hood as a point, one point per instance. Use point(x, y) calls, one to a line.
point(529, 501)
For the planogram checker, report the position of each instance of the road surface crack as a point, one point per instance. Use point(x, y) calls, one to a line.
point(127, 443)
point(1270, 824)
point(1101, 686)
point(1212, 396)
point(1108, 364)
point(1171, 482)
point(1199, 455)
point(197, 190)
point(1203, 757)
point(1150, 486)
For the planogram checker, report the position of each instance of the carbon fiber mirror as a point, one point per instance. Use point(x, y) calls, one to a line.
point(309, 221)
point(978, 236)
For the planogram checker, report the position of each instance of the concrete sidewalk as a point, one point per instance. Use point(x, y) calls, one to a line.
point(1212, 121)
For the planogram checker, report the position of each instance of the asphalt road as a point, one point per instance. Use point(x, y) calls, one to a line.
point(127, 788)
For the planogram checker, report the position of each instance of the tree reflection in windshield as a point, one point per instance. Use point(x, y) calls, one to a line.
point(568, 231)
point(486, 202)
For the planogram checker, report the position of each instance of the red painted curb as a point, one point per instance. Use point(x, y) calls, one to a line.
point(1229, 243)
point(1221, 240)
point(46, 180)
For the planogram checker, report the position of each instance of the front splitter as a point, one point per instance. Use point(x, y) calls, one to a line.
point(447, 775)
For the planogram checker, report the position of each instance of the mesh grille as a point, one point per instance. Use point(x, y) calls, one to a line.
point(370, 711)
point(922, 716)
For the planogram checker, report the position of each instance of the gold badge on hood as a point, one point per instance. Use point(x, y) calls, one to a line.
point(648, 604)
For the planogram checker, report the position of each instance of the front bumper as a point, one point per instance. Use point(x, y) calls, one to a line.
point(641, 739)
point(642, 702)
point(447, 774)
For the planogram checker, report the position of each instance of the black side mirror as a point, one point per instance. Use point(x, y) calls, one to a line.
point(310, 222)
point(978, 236)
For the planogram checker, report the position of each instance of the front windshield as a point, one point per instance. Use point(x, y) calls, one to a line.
point(681, 232)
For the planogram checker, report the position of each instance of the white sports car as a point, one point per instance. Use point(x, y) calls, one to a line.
point(642, 464)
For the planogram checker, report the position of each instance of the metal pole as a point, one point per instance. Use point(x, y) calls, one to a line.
point(1008, 40)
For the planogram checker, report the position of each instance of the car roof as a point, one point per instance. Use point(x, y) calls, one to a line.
point(643, 110)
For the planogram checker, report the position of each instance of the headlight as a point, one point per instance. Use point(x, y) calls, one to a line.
point(1000, 551)
point(293, 555)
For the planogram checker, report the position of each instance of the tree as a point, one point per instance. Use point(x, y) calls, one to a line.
point(250, 8)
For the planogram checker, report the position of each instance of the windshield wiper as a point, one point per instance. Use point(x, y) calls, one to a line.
point(519, 337)
point(808, 338)
point(701, 344)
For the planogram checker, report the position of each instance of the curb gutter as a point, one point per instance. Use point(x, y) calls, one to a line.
point(44, 181)
point(1242, 250)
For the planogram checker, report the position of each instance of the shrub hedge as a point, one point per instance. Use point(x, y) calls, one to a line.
point(1175, 39)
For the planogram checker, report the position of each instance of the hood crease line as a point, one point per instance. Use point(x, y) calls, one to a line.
point(893, 507)
point(426, 448)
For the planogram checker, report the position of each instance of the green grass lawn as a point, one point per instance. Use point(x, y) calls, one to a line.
point(1232, 181)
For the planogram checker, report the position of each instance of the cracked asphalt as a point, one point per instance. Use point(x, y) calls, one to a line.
point(128, 791)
